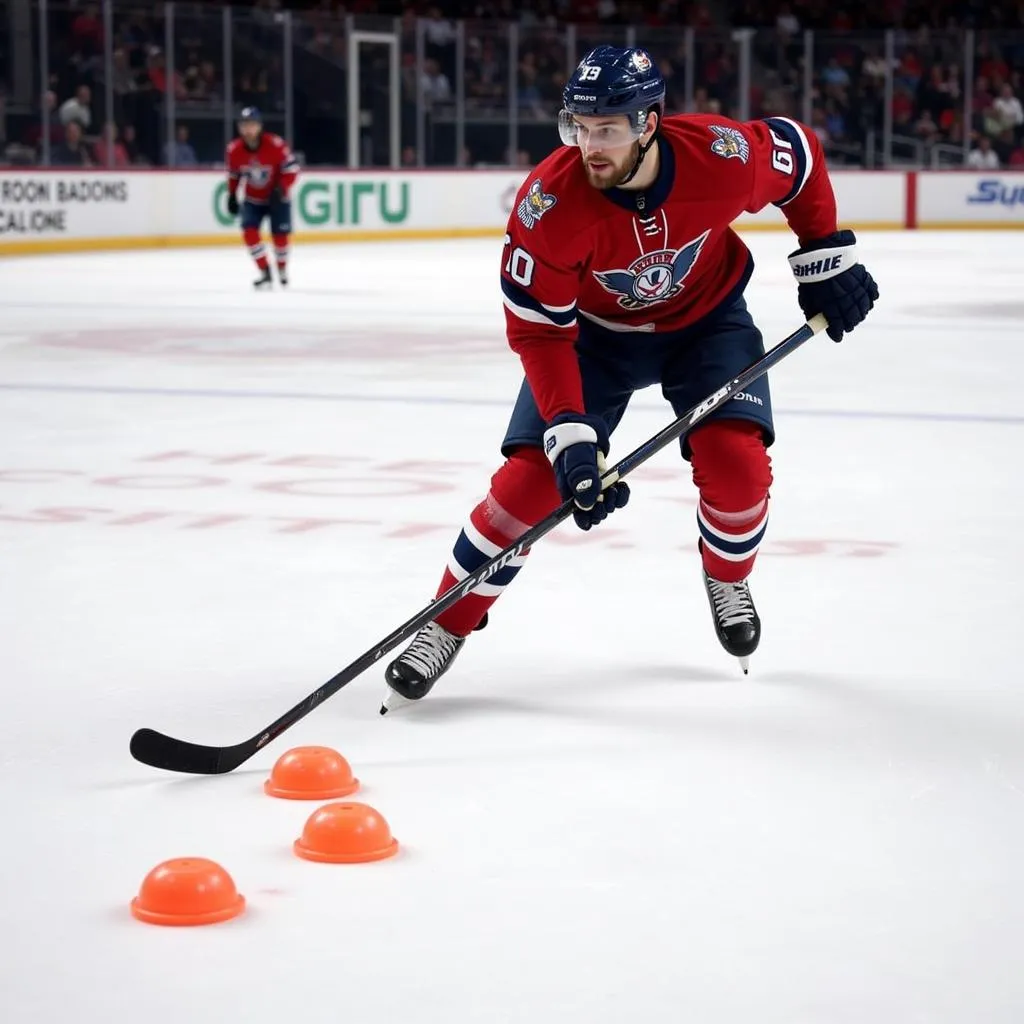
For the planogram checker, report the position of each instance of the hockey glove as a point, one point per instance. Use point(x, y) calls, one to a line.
point(576, 445)
point(831, 281)
point(233, 204)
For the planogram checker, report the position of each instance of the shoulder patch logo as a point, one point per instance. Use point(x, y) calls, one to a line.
point(730, 142)
point(534, 204)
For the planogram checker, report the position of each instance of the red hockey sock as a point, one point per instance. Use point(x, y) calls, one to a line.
point(257, 250)
point(522, 493)
point(281, 252)
point(732, 470)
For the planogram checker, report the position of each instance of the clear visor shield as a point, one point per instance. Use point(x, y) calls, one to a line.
point(592, 133)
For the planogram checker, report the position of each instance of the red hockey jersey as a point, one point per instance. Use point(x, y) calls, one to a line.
point(270, 165)
point(650, 261)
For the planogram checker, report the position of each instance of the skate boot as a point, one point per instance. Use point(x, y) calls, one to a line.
point(264, 280)
point(736, 621)
point(412, 674)
point(282, 276)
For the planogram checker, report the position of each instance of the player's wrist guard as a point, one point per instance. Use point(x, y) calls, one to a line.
point(832, 282)
point(576, 445)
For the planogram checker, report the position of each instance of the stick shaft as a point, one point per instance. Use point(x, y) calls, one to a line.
point(177, 755)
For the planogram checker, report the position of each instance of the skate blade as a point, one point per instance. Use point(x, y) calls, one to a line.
point(745, 665)
point(393, 701)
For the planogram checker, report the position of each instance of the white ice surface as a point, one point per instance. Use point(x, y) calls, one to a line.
point(601, 820)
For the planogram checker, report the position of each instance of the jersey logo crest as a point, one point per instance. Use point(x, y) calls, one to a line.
point(535, 204)
point(731, 142)
point(257, 174)
point(654, 277)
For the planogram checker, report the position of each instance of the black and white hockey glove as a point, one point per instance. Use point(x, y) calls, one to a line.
point(576, 445)
point(831, 281)
point(232, 204)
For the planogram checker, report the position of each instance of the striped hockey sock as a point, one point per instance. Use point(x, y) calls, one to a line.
point(281, 253)
point(522, 493)
point(732, 470)
point(257, 250)
point(729, 540)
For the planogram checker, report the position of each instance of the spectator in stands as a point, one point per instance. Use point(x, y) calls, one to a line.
point(181, 154)
point(436, 87)
point(87, 32)
point(108, 151)
point(78, 108)
point(209, 82)
point(123, 78)
point(834, 74)
point(983, 157)
point(1008, 109)
point(820, 125)
point(926, 129)
point(71, 152)
point(157, 68)
point(982, 98)
point(786, 22)
point(131, 147)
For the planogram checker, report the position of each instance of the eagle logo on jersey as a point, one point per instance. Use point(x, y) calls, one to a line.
point(654, 277)
point(258, 174)
point(535, 204)
point(730, 143)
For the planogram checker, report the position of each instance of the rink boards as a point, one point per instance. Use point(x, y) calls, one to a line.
point(53, 211)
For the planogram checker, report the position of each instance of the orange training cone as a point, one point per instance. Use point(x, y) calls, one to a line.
point(187, 891)
point(346, 833)
point(311, 773)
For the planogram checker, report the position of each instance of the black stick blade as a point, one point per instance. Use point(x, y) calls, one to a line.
point(160, 751)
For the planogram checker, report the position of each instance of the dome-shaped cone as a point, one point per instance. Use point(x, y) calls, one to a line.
point(187, 891)
point(311, 773)
point(346, 833)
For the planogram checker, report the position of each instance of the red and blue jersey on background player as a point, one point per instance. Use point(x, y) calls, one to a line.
point(265, 164)
point(267, 168)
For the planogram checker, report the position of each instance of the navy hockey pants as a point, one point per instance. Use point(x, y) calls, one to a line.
point(689, 365)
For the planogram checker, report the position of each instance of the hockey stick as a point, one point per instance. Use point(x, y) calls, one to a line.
point(160, 751)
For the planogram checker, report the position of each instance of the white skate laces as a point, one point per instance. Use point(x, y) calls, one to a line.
point(431, 650)
point(733, 604)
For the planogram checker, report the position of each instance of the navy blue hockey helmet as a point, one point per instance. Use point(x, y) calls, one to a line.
point(612, 80)
point(251, 114)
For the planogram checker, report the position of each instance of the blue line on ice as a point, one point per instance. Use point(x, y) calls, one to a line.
point(842, 414)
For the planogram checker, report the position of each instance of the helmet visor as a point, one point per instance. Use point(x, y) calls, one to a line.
point(597, 132)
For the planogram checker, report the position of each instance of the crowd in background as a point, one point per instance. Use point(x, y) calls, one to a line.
point(847, 105)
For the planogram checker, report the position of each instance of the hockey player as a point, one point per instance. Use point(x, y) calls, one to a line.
point(266, 163)
point(620, 270)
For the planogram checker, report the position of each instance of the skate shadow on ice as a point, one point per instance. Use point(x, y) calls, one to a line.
point(559, 695)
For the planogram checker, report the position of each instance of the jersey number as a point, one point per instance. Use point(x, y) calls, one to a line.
point(519, 265)
point(782, 154)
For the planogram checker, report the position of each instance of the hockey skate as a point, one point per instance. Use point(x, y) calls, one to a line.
point(411, 676)
point(264, 281)
point(282, 276)
point(736, 621)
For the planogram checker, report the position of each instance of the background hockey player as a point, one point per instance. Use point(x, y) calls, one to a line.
point(268, 168)
point(620, 270)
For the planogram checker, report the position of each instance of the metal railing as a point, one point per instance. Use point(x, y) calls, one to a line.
point(165, 84)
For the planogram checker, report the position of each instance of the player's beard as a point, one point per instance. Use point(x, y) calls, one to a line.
point(613, 172)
